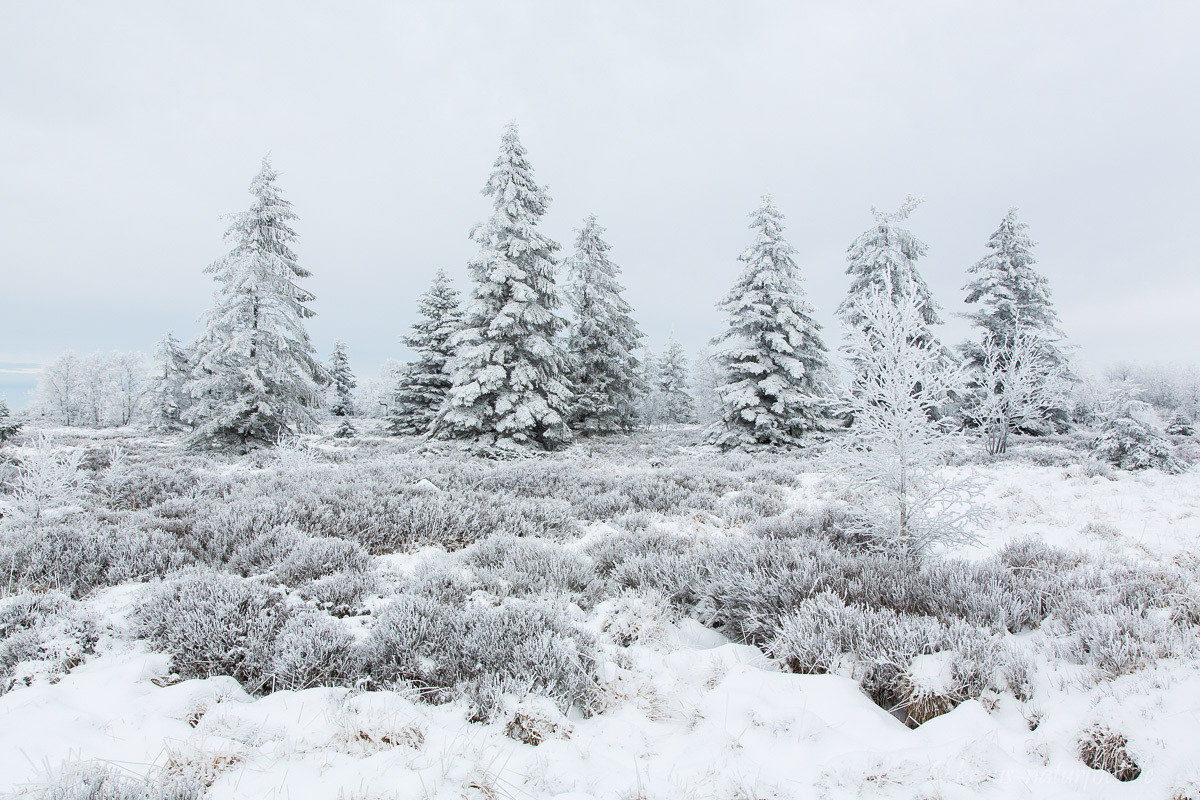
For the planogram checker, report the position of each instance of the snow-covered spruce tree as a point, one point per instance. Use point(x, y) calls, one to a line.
point(883, 261)
point(895, 449)
point(341, 381)
point(605, 373)
point(651, 411)
point(1131, 437)
point(1181, 424)
point(255, 377)
point(677, 403)
point(169, 396)
point(1017, 381)
point(9, 427)
point(509, 371)
point(422, 385)
point(1012, 298)
point(771, 353)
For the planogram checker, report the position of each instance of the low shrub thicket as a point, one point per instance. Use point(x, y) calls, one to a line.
point(42, 634)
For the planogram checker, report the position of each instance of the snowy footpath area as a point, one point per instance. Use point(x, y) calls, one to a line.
point(688, 714)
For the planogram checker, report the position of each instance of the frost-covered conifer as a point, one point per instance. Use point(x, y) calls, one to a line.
point(651, 403)
point(605, 373)
point(342, 381)
point(1009, 292)
point(421, 386)
point(1181, 424)
point(8, 426)
point(771, 353)
point(255, 377)
point(677, 404)
point(883, 262)
point(169, 396)
point(509, 370)
point(1132, 438)
point(704, 380)
point(1014, 302)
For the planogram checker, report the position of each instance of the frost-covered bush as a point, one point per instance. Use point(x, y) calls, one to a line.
point(266, 550)
point(516, 648)
point(1132, 438)
point(321, 556)
point(528, 568)
point(314, 650)
point(525, 648)
point(42, 634)
point(48, 479)
point(213, 623)
point(877, 647)
point(419, 641)
point(834, 523)
point(80, 554)
point(1104, 749)
point(97, 781)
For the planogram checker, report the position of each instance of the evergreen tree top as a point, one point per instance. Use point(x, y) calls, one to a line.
point(884, 259)
point(1005, 283)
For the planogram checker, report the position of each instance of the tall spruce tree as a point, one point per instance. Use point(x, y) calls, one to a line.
point(1013, 305)
point(256, 378)
point(509, 372)
point(677, 404)
point(771, 353)
point(421, 387)
point(605, 373)
point(169, 396)
point(341, 380)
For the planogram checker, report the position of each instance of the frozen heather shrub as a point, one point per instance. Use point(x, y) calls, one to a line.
point(341, 593)
point(314, 650)
point(42, 634)
point(264, 551)
point(877, 647)
point(78, 555)
point(96, 781)
point(1132, 438)
point(1112, 638)
point(320, 556)
point(526, 648)
point(213, 623)
point(418, 641)
point(828, 522)
point(526, 568)
point(1102, 748)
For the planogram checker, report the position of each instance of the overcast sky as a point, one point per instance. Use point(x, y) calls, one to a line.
point(127, 131)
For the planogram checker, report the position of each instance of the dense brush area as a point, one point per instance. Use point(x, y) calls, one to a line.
point(536, 594)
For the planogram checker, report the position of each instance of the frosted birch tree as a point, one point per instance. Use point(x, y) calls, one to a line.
point(895, 452)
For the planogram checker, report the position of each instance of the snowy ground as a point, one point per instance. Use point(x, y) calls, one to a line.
point(688, 714)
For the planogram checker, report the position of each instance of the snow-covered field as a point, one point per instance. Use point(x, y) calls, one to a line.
point(631, 571)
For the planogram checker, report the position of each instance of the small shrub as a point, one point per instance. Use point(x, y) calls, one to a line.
point(213, 623)
point(314, 650)
point(96, 781)
point(46, 633)
point(321, 556)
point(528, 568)
point(419, 641)
point(1105, 750)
